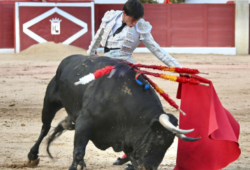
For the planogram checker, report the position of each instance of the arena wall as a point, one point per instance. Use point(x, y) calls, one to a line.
point(185, 28)
point(175, 26)
point(6, 25)
point(185, 25)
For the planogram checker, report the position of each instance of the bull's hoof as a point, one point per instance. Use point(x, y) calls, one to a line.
point(33, 163)
point(120, 161)
point(78, 168)
point(129, 167)
point(81, 167)
point(33, 155)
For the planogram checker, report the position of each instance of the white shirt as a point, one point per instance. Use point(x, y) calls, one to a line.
point(117, 24)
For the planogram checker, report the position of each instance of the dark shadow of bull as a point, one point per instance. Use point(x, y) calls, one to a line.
point(111, 112)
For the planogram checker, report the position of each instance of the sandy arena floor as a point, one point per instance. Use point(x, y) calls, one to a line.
point(24, 78)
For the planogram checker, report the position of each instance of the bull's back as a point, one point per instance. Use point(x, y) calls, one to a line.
point(117, 95)
point(70, 70)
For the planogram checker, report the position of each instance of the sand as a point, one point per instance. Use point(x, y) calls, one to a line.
point(24, 78)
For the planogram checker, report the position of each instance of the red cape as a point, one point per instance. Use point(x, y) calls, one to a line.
point(218, 129)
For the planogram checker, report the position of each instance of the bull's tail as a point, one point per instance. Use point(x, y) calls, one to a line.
point(64, 125)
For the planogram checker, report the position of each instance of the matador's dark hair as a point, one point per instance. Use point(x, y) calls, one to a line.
point(134, 9)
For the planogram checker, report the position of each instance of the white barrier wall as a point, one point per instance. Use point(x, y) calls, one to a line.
point(242, 26)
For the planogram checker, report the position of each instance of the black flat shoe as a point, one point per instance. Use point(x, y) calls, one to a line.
point(120, 161)
point(129, 167)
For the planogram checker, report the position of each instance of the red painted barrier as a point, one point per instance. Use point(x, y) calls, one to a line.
point(174, 25)
point(186, 25)
point(6, 25)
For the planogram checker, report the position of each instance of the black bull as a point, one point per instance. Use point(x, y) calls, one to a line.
point(112, 111)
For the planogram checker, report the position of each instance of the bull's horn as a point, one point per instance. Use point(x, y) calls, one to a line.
point(164, 120)
point(185, 138)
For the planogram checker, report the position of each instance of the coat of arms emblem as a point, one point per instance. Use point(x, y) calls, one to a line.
point(55, 26)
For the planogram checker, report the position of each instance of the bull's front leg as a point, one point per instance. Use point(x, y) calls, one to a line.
point(83, 128)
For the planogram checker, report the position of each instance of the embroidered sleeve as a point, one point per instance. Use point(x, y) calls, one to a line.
point(95, 43)
point(161, 54)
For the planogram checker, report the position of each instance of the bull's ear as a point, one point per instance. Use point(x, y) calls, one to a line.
point(173, 119)
point(155, 124)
